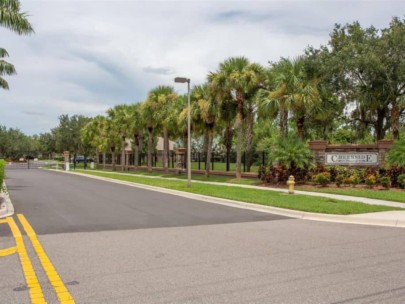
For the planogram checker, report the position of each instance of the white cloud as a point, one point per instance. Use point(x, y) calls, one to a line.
point(87, 56)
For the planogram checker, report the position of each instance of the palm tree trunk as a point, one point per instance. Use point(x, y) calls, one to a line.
point(165, 150)
point(395, 119)
point(249, 138)
point(283, 122)
point(136, 151)
point(209, 151)
point(240, 99)
point(205, 145)
point(140, 144)
point(104, 157)
point(150, 148)
point(300, 127)
point(113, 157)
point(185, 140)
point(228, 136)
point(123, 164)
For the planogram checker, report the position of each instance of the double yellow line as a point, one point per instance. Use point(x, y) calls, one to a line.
point(35, 290)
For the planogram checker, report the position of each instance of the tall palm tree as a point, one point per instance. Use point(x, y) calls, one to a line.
point(209, 112)
point(271, 101)
point(121, 120)
point(13, 19)
point(137, 126)
point(293, 91)
point(240, 77)
point(157, 106)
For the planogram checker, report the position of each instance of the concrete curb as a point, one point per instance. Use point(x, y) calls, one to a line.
point(363, 219)
point(6, 206)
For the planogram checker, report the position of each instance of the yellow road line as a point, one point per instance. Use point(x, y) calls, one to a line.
point(8, 251)
point(35, 291)
point(61, 291)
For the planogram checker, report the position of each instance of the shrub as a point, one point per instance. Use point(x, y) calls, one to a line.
point(355, 180)
point(393, 173)
point(370, 181)
point(2, 173)
point(385, 181)
point(292, 153)
point(401, 180)
point(347, 181)
point(339, 180)
point(322, 178)
point(396, 156)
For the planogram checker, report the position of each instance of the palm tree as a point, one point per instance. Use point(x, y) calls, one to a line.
point(209, 112)
point(136, 128)
point(13, 19)
point(271, 101)
point(16, 21)
point(5, 69)
point(93, 134)
point(121, 120)
point(239, 76)
point(157, 109)
point(293, 91)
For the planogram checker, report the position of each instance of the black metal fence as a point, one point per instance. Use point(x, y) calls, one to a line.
point(219, 161)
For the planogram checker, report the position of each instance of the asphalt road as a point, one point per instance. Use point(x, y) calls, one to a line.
point(139, 246)
point(59, 203)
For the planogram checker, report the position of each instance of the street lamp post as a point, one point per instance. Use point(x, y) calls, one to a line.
point(184, 80)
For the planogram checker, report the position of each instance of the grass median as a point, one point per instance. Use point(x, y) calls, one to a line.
point(395, 195)
point(256, 196)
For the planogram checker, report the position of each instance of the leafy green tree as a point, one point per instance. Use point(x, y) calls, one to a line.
point(367, 66)
point(67, 134)
point(13, 19)
point(47, 144)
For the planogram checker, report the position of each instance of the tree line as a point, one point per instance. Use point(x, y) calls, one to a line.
point(350, 90)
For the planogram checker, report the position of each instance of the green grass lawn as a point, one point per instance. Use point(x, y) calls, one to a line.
point(214, 178)
point(256, 196)
point(389, 195)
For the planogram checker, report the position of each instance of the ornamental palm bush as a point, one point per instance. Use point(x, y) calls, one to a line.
point(292, 154)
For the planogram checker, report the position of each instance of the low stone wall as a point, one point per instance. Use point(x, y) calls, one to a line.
point(351, 155)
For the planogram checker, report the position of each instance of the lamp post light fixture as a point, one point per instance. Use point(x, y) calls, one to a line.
point(184, 80)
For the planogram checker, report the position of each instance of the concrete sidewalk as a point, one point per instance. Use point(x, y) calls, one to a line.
point(386, 218)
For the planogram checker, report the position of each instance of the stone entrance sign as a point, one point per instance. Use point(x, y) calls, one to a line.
point(366, 155)
point(351, 159)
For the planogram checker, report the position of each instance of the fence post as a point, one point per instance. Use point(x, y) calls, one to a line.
point(263, 158)
point(212, 161)
point(199, 160)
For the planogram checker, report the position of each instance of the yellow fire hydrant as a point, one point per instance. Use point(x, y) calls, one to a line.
point(291, 183)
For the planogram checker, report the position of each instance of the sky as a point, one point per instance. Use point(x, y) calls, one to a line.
point(87, 56)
